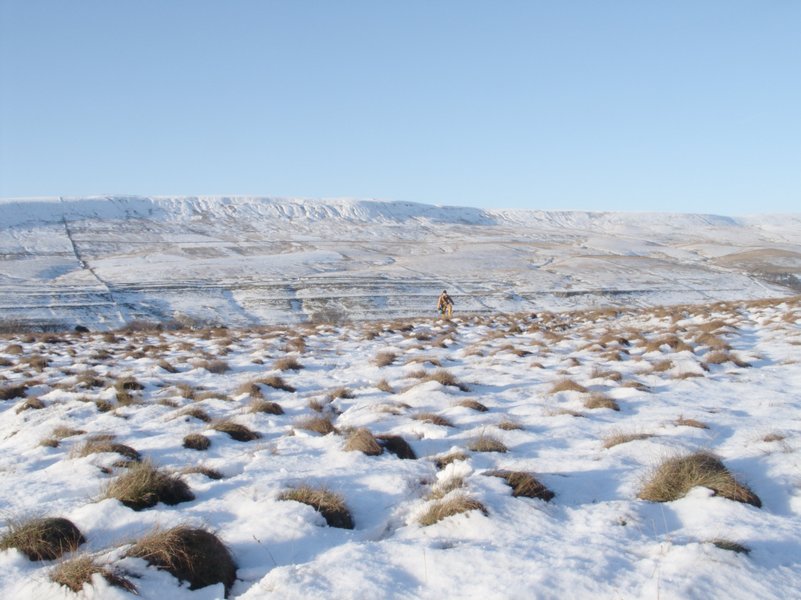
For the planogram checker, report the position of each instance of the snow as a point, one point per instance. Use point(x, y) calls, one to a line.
point(106, 261)
point(595, 539)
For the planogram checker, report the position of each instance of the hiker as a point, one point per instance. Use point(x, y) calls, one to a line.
point(445, 304)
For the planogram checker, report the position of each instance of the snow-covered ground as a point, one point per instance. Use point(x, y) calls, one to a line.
point(103, 262)
point(719, 377)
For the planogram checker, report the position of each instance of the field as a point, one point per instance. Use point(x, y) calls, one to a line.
point(610, 453)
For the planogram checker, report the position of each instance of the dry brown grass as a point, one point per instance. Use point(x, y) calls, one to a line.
point(362, 440)
point(606, 374)
point(567, 385)
point(454, 505)
point(443, 461)
point(433, 418)
point(691, 423)
point(276, 382)
point(674, 477)
point(396, 445)
point(202, 470)
point(384, 386)
point(216, 366)
point(487, 443)
point(730, 545)
point(250, 388)
point(673, 342)
point(661, 366)
point(446, 378)
point(618, 438)
point(523, 484)
point(384, 358)
point(508, 425)
point(76, 572)
point(329, 504)
point(100, 444)
point(143, 486)
point(13, 349)
point(443, 488)
point(30, 403)
point(196, 441)
point(773, 437)
point(235, 431)
point(9, 392)
point(258, 405)
point(598, 400)
point(193, 555)
point(321, 425)
point(472, 405)
point(197, 413)
point(287, 363)
point(713, 342)
point(340, 392)
point(42, 538)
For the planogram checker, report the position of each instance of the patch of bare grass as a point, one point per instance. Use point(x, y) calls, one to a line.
point(446, 378)
point(329, 504)
point(730, 545)
point(487, 443)
point(235, 431)
point(384, 358)
point(193, 555)
point(143, 486)
point(523, 484)
point(203, 470)
point(197, 413)
point(30, 403)
point(454, 505)
point(384, 386)
point(287, 363)
point(196, 441)
point(265, 406)
point(433, 418)
point(673, 342)
point(321, 424)
point(216, 366)
point(362, 440)
point(98, 445)
point(42, 538)
point(567, 385)
point(9, 392)
point(76, 572)
point(443, 488)
point(618, 438)
point(675, 477)
point(472, 405)
point(443, 461)
point(340, 392)
point(691, 423)
point(508, 425)
point(276, 382)
point(598, 400)
point(396, 445)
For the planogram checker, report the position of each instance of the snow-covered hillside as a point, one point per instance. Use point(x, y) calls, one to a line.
point(494, 457)
point(103, 262)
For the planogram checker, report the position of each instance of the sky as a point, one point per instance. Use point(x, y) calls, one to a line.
point(634, 105)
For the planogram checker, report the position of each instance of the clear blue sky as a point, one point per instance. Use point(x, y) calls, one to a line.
point(605, 105)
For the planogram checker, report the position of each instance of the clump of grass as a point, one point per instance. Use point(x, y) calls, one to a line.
point(37, 362)
point(610, 375)
point(671, 341)
point(598, 400)
point(329, 504)
point(49, 443)
point(636, 385)
point(618, 438)
point(384, 386)
point(443, 488)
point(508, 425)
point(691, 423)
point(287, 363)
point(567, 385)
point(340, 392)
point(523, 484)
point(103, 405)
point(487, 443)
point(42, 538)
point(100, 444)
point(89, 379)
point(321, 425)
point(206, 471)
point(190, 554)
point(384, 358)
point(661, 366)
point(362, 440)
point(730, 545)
point(196, 441)
point(167, 366)
point(30, 403)
point(454, 505)
point(216, 366)
point(235, 431)
point(443, 461)
point(197, 413)
point(265, 406)
point(674, 477)
point(433, 418)
point(276, 382)
point(13, 349)
point(444, 377)
point(9, 392)
point(143, 486)
point(473, 405)
point(76, 572)
point(773, 437)
point(396, 445)
point(128, 383)
point(250, 388)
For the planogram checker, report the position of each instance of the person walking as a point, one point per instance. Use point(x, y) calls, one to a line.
point(445, 304)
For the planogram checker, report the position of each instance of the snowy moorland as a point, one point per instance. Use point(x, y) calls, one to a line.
point(632, 453)
point(104, 262)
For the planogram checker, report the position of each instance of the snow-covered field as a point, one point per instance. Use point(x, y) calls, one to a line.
point(103, 262)
point(717, 377)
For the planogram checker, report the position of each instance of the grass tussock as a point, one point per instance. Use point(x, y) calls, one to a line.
point(730, 545)
point(615, 439)
point(318, 424)
point(216, 366)
point(100, 444)
point(329, 504)
point(691, 423)
point(487, 443)
point(30, 403)
point(523, 484)
point(673, 342)
point(384, 359)
point(606, 374)
point(446, 378)
point(190, 554)
point(264, 406)
point(598, 400)
point(143, 486)
point(454, 505)
point(249, 388)
point(443, 461)
point(277, 383)
point(433, 418)
point(9, 392)
point(675, 477)
point(196, 413)
point(384, 386)
point(205, 471)
point(362, 440)
point(287, 363)
point(567, 385)
point(196, 441)
point(340, 392)
point(473, 405)
point(78, 571)
point(443, 488)
point(235, 431)
point(42, 538)
point(508, 425)
point(395, 444)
